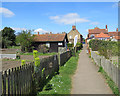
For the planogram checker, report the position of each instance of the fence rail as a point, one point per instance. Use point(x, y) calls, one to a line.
point(112, 70)
point(22, 80)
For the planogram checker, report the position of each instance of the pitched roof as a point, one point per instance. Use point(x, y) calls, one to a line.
point(49, 37)
point(112, 33)
point(74, 31)
point(102, 35)
point(97, 30)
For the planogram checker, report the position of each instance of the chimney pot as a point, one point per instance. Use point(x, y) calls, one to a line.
point(117, 29)
point(38, 33)
point(106, 27)
point(73, 27)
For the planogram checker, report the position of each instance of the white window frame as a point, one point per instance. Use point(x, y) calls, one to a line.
point(48, 45)
point(60, 43)
point(70, 37)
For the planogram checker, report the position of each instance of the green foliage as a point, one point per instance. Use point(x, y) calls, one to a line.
point(35, 53)
point(100, 69)
point(42, 54)
point(70, 45)
point(37, 61)
point(8, 37)
point(80, 45)
point(23, 62)
point(13, 47)
point(43, 48)
point(105, 48)
point(25, 39)
point(43, 70)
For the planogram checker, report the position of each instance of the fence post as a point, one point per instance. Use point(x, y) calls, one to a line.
point(0, 82)
point(59, 58)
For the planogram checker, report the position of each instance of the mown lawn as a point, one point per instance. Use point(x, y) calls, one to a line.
point(41, 54)
point(62, 83)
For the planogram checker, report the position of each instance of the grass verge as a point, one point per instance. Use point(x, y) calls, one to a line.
point(110, 82)
point(62, 83)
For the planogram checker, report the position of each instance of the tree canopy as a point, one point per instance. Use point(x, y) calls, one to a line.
point(8, 37)
point(25, 39)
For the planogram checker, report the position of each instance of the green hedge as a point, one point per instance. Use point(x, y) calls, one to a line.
point(105, 48)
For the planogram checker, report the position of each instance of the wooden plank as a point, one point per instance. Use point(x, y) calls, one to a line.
point(15, 81)
point(20, 80)
point(8, 82)
point(0, 83)
point(4, 83)
point(12, 81)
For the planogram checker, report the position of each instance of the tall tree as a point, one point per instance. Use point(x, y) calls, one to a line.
point(8, 37)
point(25, 39)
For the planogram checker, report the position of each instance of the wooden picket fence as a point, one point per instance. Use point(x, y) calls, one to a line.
point(18, 80)
point(21, 80)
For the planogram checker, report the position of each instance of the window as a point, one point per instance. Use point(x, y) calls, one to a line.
point(59, 43)
point(70, 42)
point(48, 44)
point(92, 35)
point(70, 37)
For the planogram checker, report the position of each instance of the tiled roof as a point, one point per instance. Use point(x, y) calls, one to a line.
point(97, 30)
point(49, 37)
point(112, 33)
point(102, 35)
point(117, 37)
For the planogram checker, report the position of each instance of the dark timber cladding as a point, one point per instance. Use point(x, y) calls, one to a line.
point(53, 40)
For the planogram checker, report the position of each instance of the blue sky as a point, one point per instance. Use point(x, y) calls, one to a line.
point(59, 17)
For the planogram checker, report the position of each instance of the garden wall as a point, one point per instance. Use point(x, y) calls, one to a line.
point(112, 70)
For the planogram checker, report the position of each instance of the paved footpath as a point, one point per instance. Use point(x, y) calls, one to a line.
point(87, 79)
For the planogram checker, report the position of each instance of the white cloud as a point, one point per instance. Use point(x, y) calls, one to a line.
point(19, 29)
point(94, 23)
point(6, 12)
point(116, 5)
point(40, 30)
point(69, 18)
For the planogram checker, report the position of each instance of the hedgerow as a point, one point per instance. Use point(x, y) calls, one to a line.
point(105, 48)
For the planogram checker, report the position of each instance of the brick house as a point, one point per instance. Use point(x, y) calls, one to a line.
point(73, 33)
point(53, 41)
point(96, 31)
point(102, 36)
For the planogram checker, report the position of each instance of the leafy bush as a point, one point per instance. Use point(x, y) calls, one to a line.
point(43, 48)
point(37, 61)
point(23, 62)
point(79, 45)
point(70, 45)
point(35, 53)
point(25, 39)
point(36, 58)
point(105, 48)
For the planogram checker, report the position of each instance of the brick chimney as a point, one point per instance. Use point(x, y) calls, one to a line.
point(117, 29)
point(38, 33)
point(73, 27)
point(106, 27)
